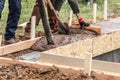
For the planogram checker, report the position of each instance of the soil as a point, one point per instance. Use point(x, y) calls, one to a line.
point(20, 72)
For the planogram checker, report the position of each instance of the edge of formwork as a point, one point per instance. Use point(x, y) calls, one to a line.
point(96, 45)
point(17, 46)
point(96, 64)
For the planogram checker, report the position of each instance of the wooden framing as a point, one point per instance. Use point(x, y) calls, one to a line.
point(77, 63)
point(81, 47)
point(65, 62)
point(17, 46)
point(95, 29)
point(77, 51)
point(96, 46)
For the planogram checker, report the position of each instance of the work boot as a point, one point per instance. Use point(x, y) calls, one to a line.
point(11, 41)
point(83, 24)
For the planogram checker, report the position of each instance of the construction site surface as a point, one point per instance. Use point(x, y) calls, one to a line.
point(69, 59)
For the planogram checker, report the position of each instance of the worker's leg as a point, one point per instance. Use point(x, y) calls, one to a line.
point(58, 5)
point(13, 18)
point(75, 8)
point(1, 6)
point(36, 13)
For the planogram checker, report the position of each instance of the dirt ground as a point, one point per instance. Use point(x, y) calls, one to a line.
point(20, 72)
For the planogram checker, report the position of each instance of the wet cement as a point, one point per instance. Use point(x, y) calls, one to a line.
point(61, 39)
point(109, 26)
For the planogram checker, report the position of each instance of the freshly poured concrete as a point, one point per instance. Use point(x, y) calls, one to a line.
point(109, 26)
point(33, 56)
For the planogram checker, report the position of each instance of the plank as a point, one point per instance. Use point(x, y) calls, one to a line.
point(17, 46)
point(95, 29)
point(66, 62)
point(8, 61)
point(102, 66)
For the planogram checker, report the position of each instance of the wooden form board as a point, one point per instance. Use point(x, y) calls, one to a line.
point(102, 66)
point(97, 46)
point(17, 46)
point(65, 62)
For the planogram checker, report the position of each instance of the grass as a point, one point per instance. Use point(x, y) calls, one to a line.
point(86, 12)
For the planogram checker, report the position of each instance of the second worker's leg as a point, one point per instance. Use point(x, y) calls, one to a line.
point(2, 2)
point(75, 8)
point(12, 21)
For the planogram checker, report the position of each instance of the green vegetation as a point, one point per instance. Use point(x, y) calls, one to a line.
point(86, 11)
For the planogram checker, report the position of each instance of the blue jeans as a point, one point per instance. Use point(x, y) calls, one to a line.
point(13, 17)
point(2, 5)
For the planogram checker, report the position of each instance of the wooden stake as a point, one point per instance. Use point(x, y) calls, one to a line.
point(118, 5)
point(88, 64)
point(0, 40)
point(33, 21)
point(70, 18)
point(105, 9)
point(94, 12)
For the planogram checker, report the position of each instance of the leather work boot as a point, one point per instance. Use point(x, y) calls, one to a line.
point(11, 41)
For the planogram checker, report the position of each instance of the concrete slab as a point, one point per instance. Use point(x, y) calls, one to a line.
point(109, 26)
